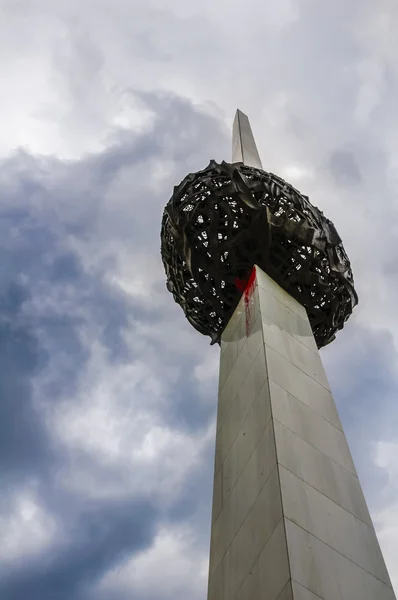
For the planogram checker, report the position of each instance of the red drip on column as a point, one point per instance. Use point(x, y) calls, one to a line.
point(249, 290)
point(246, 286)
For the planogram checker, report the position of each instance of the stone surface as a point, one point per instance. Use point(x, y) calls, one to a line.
point(289, 520)
point(310, 426)
point(269, 576)
point(292, 379)
point(244, 147)
point(327, 573)
point(330, 523)
point(301, 593)
point(321, 472)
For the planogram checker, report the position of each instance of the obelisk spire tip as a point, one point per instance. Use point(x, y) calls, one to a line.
point(244, 147)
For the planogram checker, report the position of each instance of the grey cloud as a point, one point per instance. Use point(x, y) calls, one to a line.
point(362, 369)
point(344, 167)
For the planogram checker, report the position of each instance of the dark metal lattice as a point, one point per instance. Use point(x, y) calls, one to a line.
point(221, 221)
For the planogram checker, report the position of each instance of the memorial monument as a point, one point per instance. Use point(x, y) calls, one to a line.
point(259, 269)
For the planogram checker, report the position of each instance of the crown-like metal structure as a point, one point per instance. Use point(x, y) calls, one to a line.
point(221, 221)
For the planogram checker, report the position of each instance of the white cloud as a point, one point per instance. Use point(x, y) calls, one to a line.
point(386, 519)
point(26, 529)
point(115, 434)
point(174, 566)
point(206, 375)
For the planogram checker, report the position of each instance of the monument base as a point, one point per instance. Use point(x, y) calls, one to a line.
point(289, 517)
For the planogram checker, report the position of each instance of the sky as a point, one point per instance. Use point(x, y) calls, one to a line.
point(107, 394)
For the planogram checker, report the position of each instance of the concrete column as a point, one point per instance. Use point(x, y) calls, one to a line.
point(289, 517)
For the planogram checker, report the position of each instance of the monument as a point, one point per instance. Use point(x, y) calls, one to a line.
point(259, 269)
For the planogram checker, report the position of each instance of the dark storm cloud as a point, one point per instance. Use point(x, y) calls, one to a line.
point(33, 253)
point(24, 249)
point(98, 538)
point(45, 204)
point(29, 342)
point(22, 434)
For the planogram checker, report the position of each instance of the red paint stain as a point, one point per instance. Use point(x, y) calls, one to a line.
point(247, 286)
point(249, 290)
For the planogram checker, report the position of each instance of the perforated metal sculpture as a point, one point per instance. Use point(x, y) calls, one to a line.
point(221, 221)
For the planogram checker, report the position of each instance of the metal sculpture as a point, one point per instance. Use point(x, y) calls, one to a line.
point(221, 221)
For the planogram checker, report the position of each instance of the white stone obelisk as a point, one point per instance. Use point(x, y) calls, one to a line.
point(289, 520)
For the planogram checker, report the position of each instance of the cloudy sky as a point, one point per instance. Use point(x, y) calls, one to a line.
point(107, 395)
